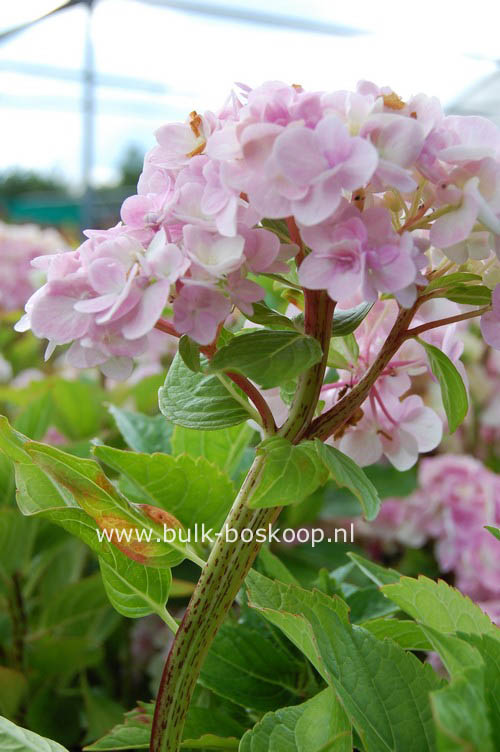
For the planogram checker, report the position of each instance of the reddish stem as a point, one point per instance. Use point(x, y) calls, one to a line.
point(444, 322)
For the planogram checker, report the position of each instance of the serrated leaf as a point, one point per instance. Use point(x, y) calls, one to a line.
point(16, 739)
point(290, 473)
point(460, 715)
point(198, 400)
point(269, 318)
point(143, 433)
point(408, 634)
point(318, 725)
point(384, 690)
point(193, 490)
point(439, 606)
point(289, 607)
point(247, 668)
point(189, 350)
point(453, 391)
point(223, 448)
point(268, 357)
point(347, 473)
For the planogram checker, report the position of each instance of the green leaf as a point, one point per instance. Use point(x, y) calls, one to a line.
point(202, 401)
point(134, 590)
point(318, 725)
point(79, 609)
point(223, 448)
point(368, 603)
point(407, 634)
point(35, 419)
point(143, 433)
point(453, 391)
point(384, 690)
point(16, 739)
point(289, 607)
point(379, 575)
point(268, 357)
point(269, 318)
point(460, 715)
point(456, 654)
point(189, 350)
point(247, 668)
point(97, 496)
point(470, 295)
point(494, 531)
point(439, 606)
point(77, 408)
point(489, 650)
point(451, 280)
point(290, 473)
point(279, 227)
point(13, 689)
point(193, 490)
point(101, 712)
point(16, 540)
point(346, 473)
point(347, 321)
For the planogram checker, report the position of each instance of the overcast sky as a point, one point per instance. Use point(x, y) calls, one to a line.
point(440, 47)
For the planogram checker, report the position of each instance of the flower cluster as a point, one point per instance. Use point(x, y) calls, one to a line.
point(369, 180)
point(19, 245)
point(457, 496)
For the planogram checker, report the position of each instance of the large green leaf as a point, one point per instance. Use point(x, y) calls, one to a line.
point(460, 715)
point(248, 668)
point(268, 357)
point(290, 473)
point(318, 725)
point(453, 391)
point(143, 433)
point(223, 448)
point(347, 473)
point(16, 739)
point(384, 690)
point(439, 606)
point(202, 401)
point(288, 607)
point(193, 490)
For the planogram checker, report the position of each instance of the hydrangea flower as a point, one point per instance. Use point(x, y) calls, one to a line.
point(456, 497)
point(19, 245)
point(371, 181)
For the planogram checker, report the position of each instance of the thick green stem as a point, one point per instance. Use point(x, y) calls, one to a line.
point(230, 562)
point(318, 324)
point(215, 592)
